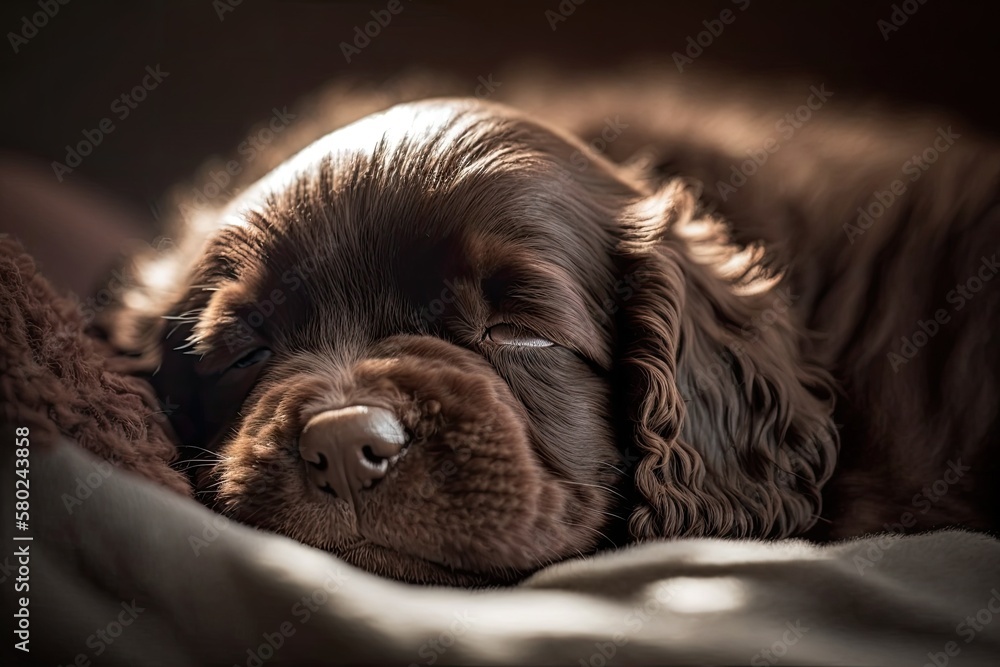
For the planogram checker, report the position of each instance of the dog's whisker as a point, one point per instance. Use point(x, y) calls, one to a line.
point(187, 465)
point(202, 449)
point(620, 471)
point(213, 486)
point(602, 487)
point(590, 529)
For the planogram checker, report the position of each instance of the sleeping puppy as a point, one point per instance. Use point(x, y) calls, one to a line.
point(432, 345)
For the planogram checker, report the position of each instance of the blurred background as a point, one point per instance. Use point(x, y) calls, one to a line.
point(226, 65)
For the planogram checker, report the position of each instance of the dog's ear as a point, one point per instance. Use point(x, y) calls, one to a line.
point(732, 427)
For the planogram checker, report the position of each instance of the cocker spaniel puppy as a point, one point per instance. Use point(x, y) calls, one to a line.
point(434, 345)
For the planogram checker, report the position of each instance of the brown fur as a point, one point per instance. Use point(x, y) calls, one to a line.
point(679, 398)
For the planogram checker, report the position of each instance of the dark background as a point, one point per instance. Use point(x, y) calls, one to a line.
point(227, 74)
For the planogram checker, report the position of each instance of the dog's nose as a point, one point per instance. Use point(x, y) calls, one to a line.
point(350, 449)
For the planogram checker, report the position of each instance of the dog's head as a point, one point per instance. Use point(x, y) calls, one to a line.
point(442, 346)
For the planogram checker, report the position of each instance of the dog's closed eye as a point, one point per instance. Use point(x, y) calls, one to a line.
point(233, 385)
point(253, 358)
point(510, 334)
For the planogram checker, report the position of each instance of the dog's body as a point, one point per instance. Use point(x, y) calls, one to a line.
point(441, 345)
point(888, 228)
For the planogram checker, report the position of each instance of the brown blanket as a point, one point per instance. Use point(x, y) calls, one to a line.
point(55, 379)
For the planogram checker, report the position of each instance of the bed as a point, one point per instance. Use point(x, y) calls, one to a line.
point(124, 572)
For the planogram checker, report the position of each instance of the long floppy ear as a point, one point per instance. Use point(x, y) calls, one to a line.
point(733, 426)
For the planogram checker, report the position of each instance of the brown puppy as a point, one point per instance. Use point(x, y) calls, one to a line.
point(432, 345)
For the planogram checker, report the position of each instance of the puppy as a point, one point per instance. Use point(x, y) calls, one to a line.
point(433, 345)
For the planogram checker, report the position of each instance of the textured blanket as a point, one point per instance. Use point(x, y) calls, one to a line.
point(55, 378)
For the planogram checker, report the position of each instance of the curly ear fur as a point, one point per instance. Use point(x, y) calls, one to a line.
point(733, 423)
